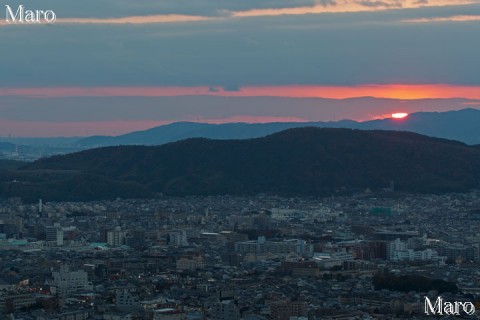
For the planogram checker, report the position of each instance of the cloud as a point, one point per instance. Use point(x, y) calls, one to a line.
point(326, 3)
point(231, 88)
point(123, 8)
point(455, 18)
point(171, 18)
point(328, 49)
point(376, 4)
point(147, 11)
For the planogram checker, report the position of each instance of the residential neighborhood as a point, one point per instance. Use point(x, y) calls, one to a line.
point(227, 258)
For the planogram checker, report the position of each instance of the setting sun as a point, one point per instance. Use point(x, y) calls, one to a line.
point(399, 115)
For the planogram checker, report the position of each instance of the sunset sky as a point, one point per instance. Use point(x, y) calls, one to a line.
point(113, 66)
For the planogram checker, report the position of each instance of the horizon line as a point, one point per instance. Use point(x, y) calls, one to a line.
point(220, 122)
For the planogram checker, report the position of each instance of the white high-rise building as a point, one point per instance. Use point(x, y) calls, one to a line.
point(394, 247)
point(225, 310)
point(66, 282)
point(178, 238)
point(54, 234)
point(262, 247)
point(125, 299)
point(116, 237)
point(398, 250)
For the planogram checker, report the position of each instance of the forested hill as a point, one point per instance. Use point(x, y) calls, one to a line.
point(303, 161)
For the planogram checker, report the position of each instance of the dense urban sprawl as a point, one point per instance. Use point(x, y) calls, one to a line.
point(369, 256)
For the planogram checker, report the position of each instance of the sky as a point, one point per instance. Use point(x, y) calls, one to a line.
point(113, 66)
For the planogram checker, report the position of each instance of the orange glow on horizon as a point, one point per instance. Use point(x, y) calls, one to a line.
point(399, 115)
point(390, 91)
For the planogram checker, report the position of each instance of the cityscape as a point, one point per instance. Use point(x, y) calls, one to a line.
point(229, 257)
point(239, 159)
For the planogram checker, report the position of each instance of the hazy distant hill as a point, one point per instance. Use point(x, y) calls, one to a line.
point(463, 125)
point(7, 147)
point(183, 130)
point(306, 161)
point(10, 164)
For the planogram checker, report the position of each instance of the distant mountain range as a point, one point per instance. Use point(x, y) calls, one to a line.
point(462, 125)
point(10, 164)
point(303, 161)
point(7, 147)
